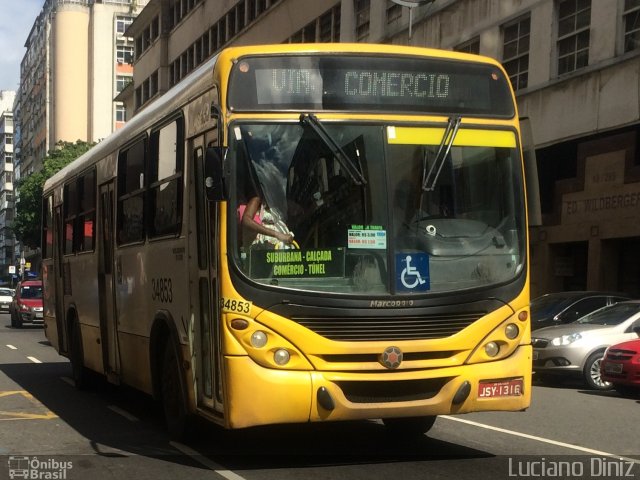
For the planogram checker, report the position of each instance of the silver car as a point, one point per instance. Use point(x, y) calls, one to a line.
point(577, 348)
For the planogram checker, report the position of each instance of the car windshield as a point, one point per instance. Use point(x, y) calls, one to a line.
point(611, 315)
point(549, 304)
point(5, 292)
point(375, 209)
point(31, 291)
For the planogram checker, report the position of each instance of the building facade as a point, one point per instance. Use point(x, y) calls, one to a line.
point(77, 60)
point(574, 65)
point(7, 211)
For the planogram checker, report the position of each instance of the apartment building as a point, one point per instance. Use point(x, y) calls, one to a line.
point(77, 60)
point(573, 65)
point(7, 140)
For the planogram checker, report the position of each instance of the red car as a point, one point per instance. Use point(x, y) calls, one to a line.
point(621, 366)
point(27, 304)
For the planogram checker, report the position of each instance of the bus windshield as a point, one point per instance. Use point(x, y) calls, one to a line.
point(364, 220)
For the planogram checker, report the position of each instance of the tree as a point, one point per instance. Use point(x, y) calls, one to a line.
point(28, 220)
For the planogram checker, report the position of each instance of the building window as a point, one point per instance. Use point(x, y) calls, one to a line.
point(515, 51)
point(122, 23)
point(124, 54)
point(394, 12)
point(631, 25)
point(361, 9)
point(574, 19)
point(470, 46)
point(122, 81)
point(121, 113)
point(330, 25)
point(8, 158)
point(8, 139)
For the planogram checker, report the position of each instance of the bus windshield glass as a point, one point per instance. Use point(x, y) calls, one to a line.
point(362, 221)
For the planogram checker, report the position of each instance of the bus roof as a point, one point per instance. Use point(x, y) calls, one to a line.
point(201, 79)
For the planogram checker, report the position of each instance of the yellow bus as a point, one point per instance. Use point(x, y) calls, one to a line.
point(302, 233)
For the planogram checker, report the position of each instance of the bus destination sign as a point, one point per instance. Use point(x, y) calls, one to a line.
point(392, 84)
point(297, 263)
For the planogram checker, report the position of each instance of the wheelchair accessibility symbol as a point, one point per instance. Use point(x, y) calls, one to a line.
point(412, 272)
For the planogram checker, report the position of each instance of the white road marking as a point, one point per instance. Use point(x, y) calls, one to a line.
point(541, 439)
point(124, 413)
point(210, 464)
point(34, 359)
point(12, 347)
point(68, 380)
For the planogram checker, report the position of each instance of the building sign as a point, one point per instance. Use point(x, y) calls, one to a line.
point(297, 263)
point(605, 193)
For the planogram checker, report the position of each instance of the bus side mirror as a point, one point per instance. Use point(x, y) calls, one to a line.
point(213, 175)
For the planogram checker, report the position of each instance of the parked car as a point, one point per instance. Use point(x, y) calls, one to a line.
point(567, 307)
point(6, 297)
point(578, 348)
point(621, 366)
point(27, 303)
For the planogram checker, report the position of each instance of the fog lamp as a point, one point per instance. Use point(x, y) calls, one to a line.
point(491, 349)
point(281, 356)
point(258, 339)
point(511, 331)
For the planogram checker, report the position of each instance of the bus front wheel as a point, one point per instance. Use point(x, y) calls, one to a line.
point(173, 401)
point(409, 426)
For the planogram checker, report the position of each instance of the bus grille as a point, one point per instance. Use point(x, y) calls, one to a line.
point(391, 391)
point(354, 329)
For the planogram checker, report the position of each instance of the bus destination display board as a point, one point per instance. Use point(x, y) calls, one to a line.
point(390, 84)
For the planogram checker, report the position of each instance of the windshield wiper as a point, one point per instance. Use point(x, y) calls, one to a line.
point(354, 170)
point(445, 146)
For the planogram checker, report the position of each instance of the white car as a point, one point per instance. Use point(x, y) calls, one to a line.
point(577, 348)
point(6, 297)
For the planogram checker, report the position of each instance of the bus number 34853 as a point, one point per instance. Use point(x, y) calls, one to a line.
point(161, 290)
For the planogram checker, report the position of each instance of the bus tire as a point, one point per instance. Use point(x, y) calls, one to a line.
point(409, 426)
point(78, 371)
point(172, 394)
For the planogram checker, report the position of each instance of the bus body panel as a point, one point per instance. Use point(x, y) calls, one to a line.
point(260, 396)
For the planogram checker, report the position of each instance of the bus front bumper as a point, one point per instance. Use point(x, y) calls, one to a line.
point(260, 396)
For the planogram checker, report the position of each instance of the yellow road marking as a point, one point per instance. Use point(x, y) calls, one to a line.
point(9, 415)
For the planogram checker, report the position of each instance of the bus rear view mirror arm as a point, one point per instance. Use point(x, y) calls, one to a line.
point(213, 175)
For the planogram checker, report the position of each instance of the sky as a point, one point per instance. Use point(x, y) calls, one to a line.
point(16, 20)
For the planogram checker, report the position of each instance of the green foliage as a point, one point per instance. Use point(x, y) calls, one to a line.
point(28, 220)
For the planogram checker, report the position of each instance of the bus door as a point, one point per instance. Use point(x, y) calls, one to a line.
point(58, 272)
point(204, 298)
point(106, 282)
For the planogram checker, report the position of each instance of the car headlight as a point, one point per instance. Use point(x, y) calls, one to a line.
point(565, 339)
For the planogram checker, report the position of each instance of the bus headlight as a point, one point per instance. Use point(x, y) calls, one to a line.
point(503, 340)
point(492, 349)
point(511, 331)
point(281, 356)
point(258, 339)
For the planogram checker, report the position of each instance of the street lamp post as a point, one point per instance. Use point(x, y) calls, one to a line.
point(411, 4)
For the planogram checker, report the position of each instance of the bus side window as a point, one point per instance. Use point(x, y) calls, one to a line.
point(165, 180)
point(131, 189)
